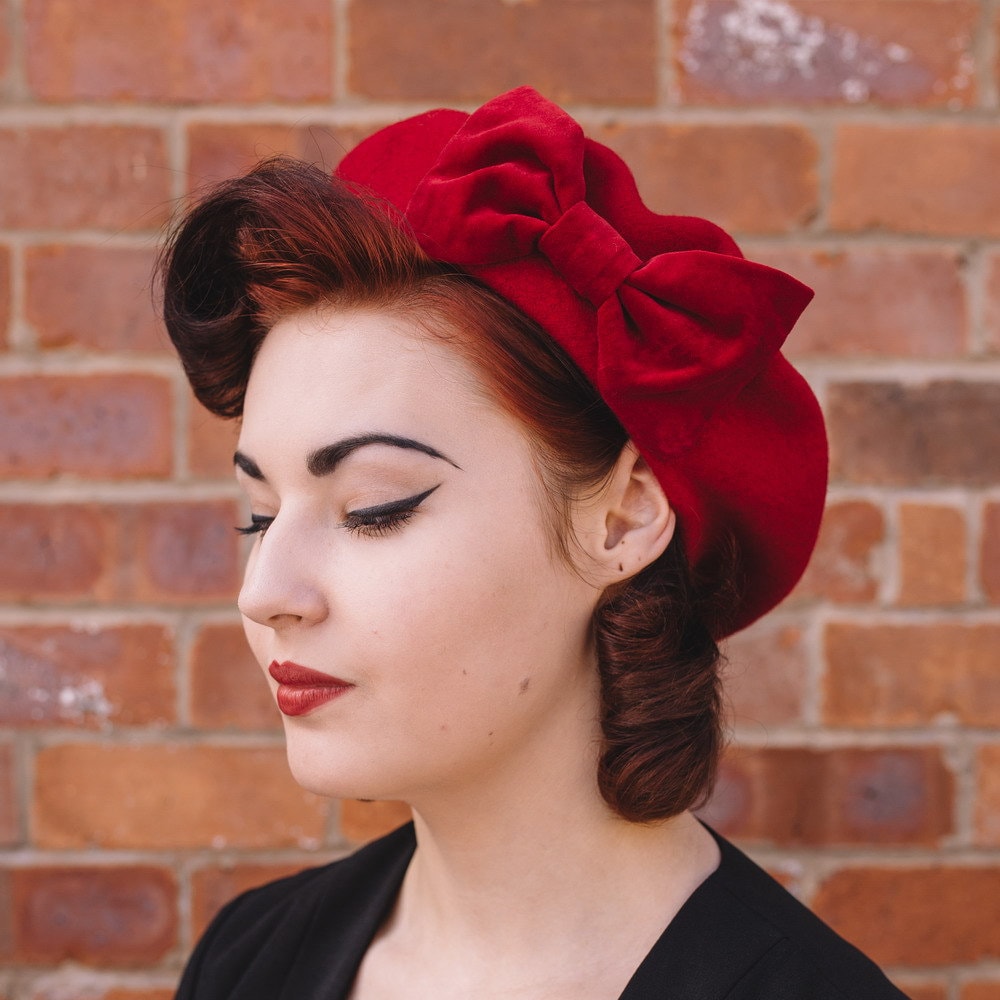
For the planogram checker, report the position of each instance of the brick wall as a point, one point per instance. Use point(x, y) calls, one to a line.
point(854, 142)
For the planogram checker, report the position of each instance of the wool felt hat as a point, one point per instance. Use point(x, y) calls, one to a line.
point(677, 331)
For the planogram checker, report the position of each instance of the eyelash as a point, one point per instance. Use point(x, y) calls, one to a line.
point(372, 522)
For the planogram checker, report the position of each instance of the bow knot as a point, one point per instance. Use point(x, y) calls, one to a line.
point(588, 253)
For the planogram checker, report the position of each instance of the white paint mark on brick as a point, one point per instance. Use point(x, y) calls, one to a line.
point(762, 48)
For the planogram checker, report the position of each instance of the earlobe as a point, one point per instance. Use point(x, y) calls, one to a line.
point(638, 521)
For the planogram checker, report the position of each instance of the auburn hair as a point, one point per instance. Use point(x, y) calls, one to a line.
point(285, 237)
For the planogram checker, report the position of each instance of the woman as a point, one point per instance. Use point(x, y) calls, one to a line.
point(518, 453)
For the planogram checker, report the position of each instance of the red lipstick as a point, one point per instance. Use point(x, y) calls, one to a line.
point(301, 689)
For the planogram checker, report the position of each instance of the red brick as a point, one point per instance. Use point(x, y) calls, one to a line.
point(916, 916)
point(5, 294)
point(470, 50)
point(219, 151)
point(93, 176)
point(94, 426)
point(936, 179)
point(922, 990)
point(981, 990)
point(988, 795)
point(179, 50)
point(171, 797)
point(86, 676)
point(10, 800)
point(936, 434)
point(991, 320)
point(876, 302)
point(931, 555)
point(989, 559)
point(793, 796)
point(211, 442)
point(228, 690)
point(99, 916)
point(57, 552)
point(74, 983)
point(841, 51)
point(703, 170)
point(846, 565)
point(214, 887)
point(765, 674)
point(910, 675)
point(361, 822)
point(94, 297)
point(187, 551)
point(123, 993)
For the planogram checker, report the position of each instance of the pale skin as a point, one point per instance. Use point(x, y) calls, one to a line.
point(465, 638)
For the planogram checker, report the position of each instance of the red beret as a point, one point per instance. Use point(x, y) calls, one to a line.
point(678, 332)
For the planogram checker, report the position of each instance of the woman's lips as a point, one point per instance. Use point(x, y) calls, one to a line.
point(301, 689)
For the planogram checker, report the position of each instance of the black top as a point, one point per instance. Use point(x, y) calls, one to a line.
point(739, 936)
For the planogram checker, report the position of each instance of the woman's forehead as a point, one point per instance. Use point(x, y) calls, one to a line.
point(326, 374)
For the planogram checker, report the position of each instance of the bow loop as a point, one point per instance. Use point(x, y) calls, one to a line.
point(589, 254)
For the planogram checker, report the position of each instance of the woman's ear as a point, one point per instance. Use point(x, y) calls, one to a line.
point(631, 521)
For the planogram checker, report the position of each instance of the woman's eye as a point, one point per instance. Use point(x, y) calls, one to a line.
point(259, 523)
point(386, 517)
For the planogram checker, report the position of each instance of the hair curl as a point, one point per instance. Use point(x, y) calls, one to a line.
point(285, 237)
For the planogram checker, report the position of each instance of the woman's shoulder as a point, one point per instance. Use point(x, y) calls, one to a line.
point(265, 937)
point(743, 936)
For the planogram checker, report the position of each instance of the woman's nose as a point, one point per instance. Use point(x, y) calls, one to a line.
point(280, 585)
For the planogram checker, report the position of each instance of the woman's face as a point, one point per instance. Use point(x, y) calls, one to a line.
point(404, 552)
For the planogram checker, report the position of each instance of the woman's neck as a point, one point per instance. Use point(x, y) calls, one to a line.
point(550, 882)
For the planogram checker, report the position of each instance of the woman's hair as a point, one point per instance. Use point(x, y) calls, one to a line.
point(286, 237)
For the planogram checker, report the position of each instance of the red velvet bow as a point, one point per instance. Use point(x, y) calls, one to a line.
point(690, 327)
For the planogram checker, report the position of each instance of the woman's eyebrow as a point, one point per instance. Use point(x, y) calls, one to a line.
point(324, 460)
point(249, 466)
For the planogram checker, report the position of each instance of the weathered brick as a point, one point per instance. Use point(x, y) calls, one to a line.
point(935, 179)
point(916, 916)
point(10, 799)
point(95, 297)
point(166, 552)
point(908, 675)
point(186, 551)
point(171, 796)
point(842, 51)
point(118, 916)
point(211, 442)
point(703, 170)
point(361, 822)
point(981, 990)
point(846, 566)
point(214, 887)
point(991, 319)
point(931, 554)
point(5, 293)
point(922, 990)
point(179, 50)
point(765, 674)
point(56, 552)
point(86, 675)
point(468, 50)
point(75, 983)
point(124, 993)
point(217, 151)
point(228, 690)
point(794, 796)
point(938, 434)
point(989, 557)
point(102, 176)
point(94, 426)
point(876, 302)
point(988, 795)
